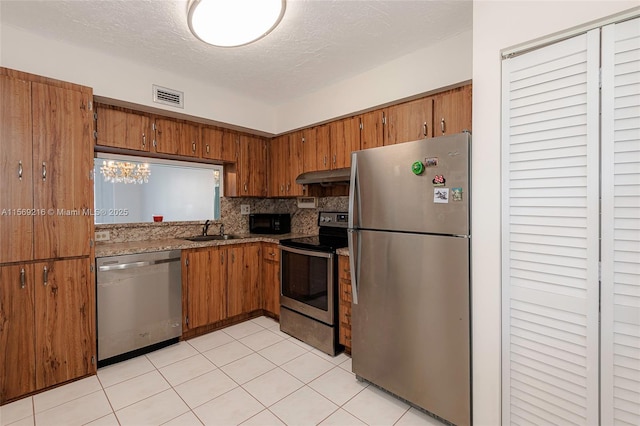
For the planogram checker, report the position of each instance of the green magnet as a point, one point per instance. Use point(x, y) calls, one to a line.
point(417, 168)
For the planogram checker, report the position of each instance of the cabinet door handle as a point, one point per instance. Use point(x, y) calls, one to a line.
point(424, 129)
point(144, 140)
point(270, 254)
point(23, 278)
point(193, 147)
point(207, 148)
point(288, 186)
point(222, 258)
point(45, 275)
point(442, 125)
point(20, 170)
point(324, 160)
point(44, 171)
point(334, 158)
point(245, 188)
point(281, 188)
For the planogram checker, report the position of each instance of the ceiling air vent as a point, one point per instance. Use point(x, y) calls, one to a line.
point(162, 95)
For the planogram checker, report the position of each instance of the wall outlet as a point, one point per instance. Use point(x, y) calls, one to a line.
point(245, 209)
point(102, 235)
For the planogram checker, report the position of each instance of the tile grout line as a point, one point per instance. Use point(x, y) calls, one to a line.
point(306, 349)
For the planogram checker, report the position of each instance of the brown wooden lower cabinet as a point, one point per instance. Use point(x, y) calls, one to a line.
point(219, 283)
point(243, 279)
point(203, 289)
point(46, 325)
point(345, 299)
point(271, 278)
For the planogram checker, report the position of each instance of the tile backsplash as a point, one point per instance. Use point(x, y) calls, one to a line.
point(303, 221)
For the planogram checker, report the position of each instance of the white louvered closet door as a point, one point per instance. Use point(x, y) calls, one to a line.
point(620, 326)
point(550, 142)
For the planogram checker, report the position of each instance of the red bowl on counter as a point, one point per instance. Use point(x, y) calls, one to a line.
point(157, 218)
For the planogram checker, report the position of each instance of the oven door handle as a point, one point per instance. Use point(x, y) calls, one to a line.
point(304, 252)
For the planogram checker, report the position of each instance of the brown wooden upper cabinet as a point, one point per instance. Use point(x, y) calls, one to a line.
point(212, 143)
point(310, 158)
point(47, 160)
point(176, 137)
point(345, 138)
point(409, 121)
point(16, 173)
point(323, 148)
point(452, 111)
point(372, 129)
point(252, 167)
point(278, 152)
point(295, 165)
point(121, 128)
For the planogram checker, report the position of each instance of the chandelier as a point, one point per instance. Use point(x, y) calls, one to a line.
point(125, 172)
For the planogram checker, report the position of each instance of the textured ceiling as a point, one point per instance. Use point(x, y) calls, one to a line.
point(318, 42)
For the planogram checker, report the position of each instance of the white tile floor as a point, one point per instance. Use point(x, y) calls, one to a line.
point(250, 373)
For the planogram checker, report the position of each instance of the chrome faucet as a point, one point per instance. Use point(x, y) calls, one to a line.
point(222, 229)
point(205, 228)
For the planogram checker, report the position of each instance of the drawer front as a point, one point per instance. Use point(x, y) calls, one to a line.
point(271, 252)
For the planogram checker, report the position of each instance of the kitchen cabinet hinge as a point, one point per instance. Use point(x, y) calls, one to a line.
point(92, 269)
point(95, 116)
point(91, 245)
point(95, 134)
point(93, 360)
point(600, 78)
point(91, 174)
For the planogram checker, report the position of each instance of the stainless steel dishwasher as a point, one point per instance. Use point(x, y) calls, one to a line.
point(139, 300)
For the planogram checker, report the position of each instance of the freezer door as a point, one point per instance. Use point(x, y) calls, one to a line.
point(410, 328)
point(390, 196)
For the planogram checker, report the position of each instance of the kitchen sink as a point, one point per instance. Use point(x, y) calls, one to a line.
point(212, 237)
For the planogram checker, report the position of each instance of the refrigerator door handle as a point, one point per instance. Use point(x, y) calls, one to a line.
point(353, 189)
point(354, 263)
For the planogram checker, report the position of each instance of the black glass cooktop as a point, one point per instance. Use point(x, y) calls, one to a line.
point(332, 234)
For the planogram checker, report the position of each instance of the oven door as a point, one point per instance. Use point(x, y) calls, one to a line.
point(307, 283)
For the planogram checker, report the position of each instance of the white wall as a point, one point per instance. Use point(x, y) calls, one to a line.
point(443, 64)
point(498, 25)
point(125, 80)
point(440, 65)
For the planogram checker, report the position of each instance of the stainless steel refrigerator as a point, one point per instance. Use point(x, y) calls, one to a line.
point(409, 247)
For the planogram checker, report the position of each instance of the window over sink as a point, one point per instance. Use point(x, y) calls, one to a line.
point(137, 189)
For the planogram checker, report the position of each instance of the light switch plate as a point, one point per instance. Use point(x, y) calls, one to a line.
point(245, 209)
point(102, 235)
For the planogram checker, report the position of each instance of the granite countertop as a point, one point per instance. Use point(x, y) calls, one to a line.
point(104, 249)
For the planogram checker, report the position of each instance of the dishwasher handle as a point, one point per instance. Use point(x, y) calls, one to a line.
point(120, 266)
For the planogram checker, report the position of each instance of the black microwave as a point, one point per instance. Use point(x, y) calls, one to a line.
point(270, 223)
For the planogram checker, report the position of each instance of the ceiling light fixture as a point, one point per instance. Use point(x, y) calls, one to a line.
point(231, 23)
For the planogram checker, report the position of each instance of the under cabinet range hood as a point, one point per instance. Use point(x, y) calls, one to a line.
point(325, 177)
